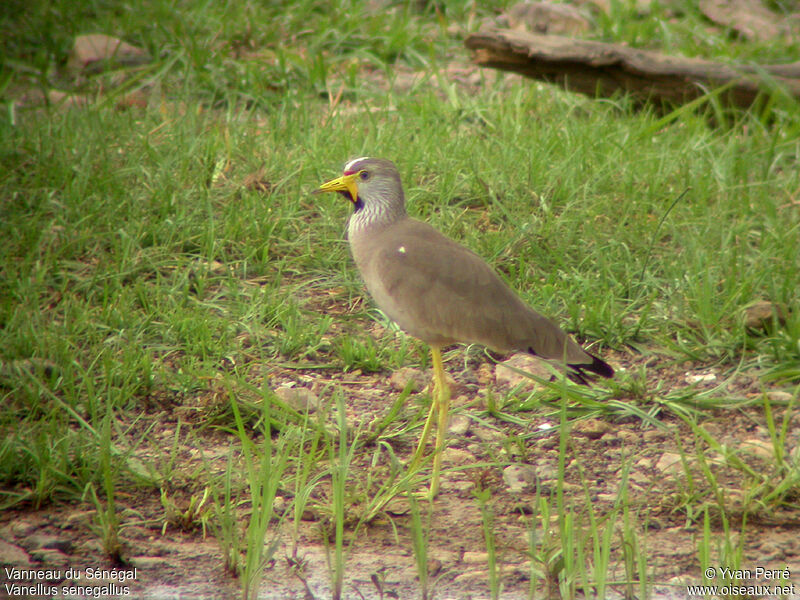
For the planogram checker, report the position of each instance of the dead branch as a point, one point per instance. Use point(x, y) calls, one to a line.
point(596, 68)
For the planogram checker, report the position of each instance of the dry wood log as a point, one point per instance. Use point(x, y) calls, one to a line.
point(597, 68)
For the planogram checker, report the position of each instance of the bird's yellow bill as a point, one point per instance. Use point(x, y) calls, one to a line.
point(345, 183)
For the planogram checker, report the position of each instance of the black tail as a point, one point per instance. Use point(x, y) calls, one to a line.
point(578, 372)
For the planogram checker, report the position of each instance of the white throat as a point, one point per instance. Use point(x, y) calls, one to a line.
point(366, 218)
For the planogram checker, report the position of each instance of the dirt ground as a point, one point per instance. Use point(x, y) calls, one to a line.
point(380, 563)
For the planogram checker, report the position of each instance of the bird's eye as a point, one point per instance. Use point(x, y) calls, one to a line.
point(364, 175)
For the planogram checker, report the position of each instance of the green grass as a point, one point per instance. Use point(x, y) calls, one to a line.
point(171, 255)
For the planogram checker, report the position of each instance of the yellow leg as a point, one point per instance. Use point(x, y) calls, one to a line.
point(441, 399)
point(440, 404)
point(423, 438)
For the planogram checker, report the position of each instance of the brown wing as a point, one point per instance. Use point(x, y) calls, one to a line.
point(443, 292)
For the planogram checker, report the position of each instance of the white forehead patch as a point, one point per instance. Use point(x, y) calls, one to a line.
point(349, 165)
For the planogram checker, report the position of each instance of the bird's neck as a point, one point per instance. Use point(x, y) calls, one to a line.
point(374, 217)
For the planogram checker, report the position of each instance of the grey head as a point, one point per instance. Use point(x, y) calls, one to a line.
point(373, 186)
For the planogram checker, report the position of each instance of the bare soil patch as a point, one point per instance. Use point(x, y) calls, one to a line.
point(380, 563)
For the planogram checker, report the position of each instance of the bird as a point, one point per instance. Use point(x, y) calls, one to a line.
point(440, 291)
